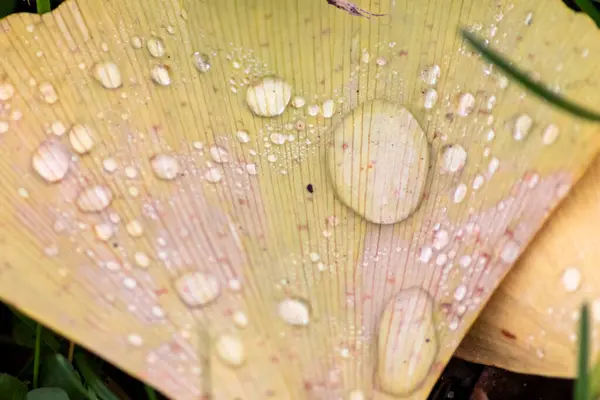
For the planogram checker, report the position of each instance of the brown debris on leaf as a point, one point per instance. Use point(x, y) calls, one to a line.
point(352, 9)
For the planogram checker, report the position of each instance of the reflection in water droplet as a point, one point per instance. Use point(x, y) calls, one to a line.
point(523, 124)
point(197, 289)
point(81, 138)
point(466, 104)
point(94, 199)
point(571, 279)
point(6, 91)
point(160, 75)
point(294, 312)
point(230, 350)
point(550, 134)
point(394, 142)
point(407, 342)
point(269, 97)
point(155, 47)
point(431, 74)
point(454, 158)
point(431, 97)
point(108, 74)
point(48, 92)
point(51, 160)
point(165, 166)
point(201, 61)
point(219, 154)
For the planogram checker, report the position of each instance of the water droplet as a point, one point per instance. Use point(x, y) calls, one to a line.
point(213, 175)
point(230, 350)
point(298, 101)
point(407, 320)
point(197, 289)
point(493, 166)
point(431, 74)
point(243, 136)
point(394, 141)
point(356, 395)
point(160, 75)
point(294, 312)
point(365, 57)
point(131, 172)
point(201, 62)
point(129, 283)
point(94, 199)
point(454, 158)
point(141, 259)
point(165, 166)
point(313, 110)
point(155, 47)
point(571, 279)
point(523, 124)
point(550, 134)
point(271, 158)
point(314, 257)
point(51, 160)
point(219, 154)
point(425, 254)
point(510, 251)
point(478, 182)
point(460, 293)
point(48, 92)
point(460, 193)
point(490, 135)
point(6, 91)
point(108, 74)
point(104, 231)
point(269, 97)
point(328, 108)
point(431, 97)
point(4, 126)
point(441, 239)
point(136, 42)
point(529, 18)
point(240, 319)
point(465, 105)
point(278, 138)
point(135, 340)
point(58, 128)
point(81, 138)
point(135, 228)
point(251, 169)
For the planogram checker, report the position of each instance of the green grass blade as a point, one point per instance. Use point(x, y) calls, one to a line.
point(524, 80)
point(595, 380)
point(43, 6)
point(582, 384)
point(589, 8)
point(36, 357)
point(150, 392)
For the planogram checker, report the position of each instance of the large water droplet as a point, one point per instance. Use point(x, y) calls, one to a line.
point(373, 140)
point(108, 74)
point(51, 160)
point(197, 289)
point(160, 75)
point(155, 47)
point(269, 97)
point(165, 166)
point(81, 138)
point(294, 312)
point(431, 74)
point(94, 199)
point(454, 158)
point(6, 91)
point(230, 350)
point(201, 61)
point(465, 104)
point(407, 343)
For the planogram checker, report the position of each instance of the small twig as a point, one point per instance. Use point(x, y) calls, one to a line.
point(36, 359)
point(71, 352)
point(352, 9)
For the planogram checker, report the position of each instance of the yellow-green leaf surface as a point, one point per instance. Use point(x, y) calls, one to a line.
point(251, 269)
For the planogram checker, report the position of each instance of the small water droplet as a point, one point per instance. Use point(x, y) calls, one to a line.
point(104, 231)
point(460, 293)
point(240, 319)
point(6, 91)
point(493, 166)
point(135, 228)
point(58, 128)
point(465, 104)
point(523, 124)
point(356, 395)
point(313, 110)
point(278, 138)
point(490, 135)
point(131, 172)
point(165, 166)
point(431, 97)
point(219, 154)
point(94, 199)
point(213, 175)
point(197, 289)
point(243, 136)
point(135, 340)
point(269, 97)
point(441, 239)
point(328, 108)
point(230, 350)
point(136, 42)
point(108, 74)
point(51, 160)
point(550, 134)
point(314, 257)
point(4, 126)
point(298, 101)
point(48, 92)
point(201, 61)
point(155, 47)
point(431, 74)
point(460, 193)
point(294, 312)
point(454, 158)
point(141, 259)
point(129, 283)
point(529, 18)
point(478, 182)
point(510, 251)
point(571, 279)
point(251, 169)
point(160, 75)
point(81, 138)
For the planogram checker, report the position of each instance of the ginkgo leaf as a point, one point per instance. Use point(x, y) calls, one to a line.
point(277, 198)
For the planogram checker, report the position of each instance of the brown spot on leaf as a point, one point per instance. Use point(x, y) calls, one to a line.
point(352, 9)
point(508, 334)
